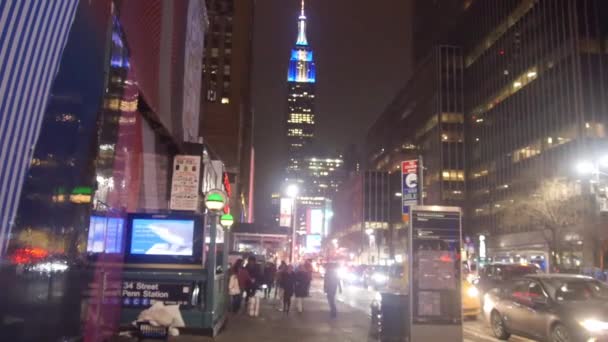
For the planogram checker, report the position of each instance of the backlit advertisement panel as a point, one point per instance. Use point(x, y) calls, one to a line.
point(313, 243)
point(285, 212)
point(316, 221)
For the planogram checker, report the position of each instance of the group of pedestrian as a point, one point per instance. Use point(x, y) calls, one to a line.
point(294, 282)
point(246, 280)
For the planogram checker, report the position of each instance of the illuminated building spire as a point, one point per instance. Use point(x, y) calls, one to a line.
point(302, 28)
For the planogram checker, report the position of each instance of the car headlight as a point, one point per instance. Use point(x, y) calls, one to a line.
point(593, 325)
point(488, 304)
point(472, 292)
point(379, 278)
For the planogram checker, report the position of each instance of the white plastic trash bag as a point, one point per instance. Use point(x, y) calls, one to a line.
point(163, 315)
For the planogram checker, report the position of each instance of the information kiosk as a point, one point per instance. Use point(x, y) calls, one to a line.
point(434, 291)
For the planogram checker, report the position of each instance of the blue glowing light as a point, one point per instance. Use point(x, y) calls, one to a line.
point(301, 55)
point(301, 65)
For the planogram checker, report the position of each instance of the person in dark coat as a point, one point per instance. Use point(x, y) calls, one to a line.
point(269, 273)
point(278, 280)
point(331, 285)
point(288, 283)
point(255, 274)
point(302, 286)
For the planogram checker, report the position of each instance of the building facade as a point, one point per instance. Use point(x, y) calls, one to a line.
point(425, 120)
point(226, 109)
point(367, 218)
point(535, 80)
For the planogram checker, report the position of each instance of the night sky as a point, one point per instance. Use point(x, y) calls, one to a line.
point(362, 55)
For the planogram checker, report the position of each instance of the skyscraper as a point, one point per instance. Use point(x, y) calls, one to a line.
point(300, 103)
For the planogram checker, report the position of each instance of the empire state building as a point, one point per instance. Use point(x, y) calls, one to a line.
point(300, 104)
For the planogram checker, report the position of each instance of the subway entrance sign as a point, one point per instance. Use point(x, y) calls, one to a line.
point(435, 280)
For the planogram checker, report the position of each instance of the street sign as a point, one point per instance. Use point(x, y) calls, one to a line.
point(185, 182)
point(146, 293)
point(409, 186)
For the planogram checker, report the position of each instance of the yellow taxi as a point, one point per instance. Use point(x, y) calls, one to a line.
point(471, 303)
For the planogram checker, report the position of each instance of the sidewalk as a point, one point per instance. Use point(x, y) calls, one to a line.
point(313, 325)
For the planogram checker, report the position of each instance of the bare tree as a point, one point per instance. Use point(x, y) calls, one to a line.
point(555, 208)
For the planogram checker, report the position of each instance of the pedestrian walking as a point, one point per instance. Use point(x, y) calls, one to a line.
point(288, 284)
point(269, 273)
point(302, 287)
point(255, 274)
point(234, 288)
point(244, 281)
point(278, 292)
point(331, 285)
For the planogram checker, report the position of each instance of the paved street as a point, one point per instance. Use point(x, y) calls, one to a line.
point(360, 299)
point(314, 324)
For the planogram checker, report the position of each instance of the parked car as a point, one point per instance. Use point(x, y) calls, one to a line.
point(550, 307)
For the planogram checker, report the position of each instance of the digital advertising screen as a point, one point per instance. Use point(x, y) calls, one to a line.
point(105, 234)
point(151, 236)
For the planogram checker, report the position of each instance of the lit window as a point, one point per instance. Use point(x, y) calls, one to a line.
point(225, 100)
point(453, 175)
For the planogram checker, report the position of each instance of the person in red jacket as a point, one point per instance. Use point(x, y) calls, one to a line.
point(243, 277)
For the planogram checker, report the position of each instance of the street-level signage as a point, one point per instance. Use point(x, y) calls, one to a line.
point(435, 242)
point(185, 183)
point(409, 186)
point(146, 293)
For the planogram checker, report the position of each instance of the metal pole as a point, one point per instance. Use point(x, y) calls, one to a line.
point(421, 183)
point(211, 265)
point(293, 230)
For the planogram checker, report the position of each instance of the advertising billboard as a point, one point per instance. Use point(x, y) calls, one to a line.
point(162, 237)
point(105, 234)
point(285, 212)
point(316, 221)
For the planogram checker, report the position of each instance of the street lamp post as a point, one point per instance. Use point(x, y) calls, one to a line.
point(215, 200)
point(292, 192)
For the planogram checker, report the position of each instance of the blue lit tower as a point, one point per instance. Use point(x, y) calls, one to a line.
point(300, 103)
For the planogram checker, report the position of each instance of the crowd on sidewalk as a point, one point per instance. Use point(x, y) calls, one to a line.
point(288, 281)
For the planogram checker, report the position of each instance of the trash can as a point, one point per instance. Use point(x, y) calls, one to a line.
point(394, 321)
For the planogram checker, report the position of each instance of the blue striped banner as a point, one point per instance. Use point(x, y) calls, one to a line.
point(33, 34)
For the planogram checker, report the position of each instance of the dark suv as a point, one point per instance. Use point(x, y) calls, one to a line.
point(496, 275)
